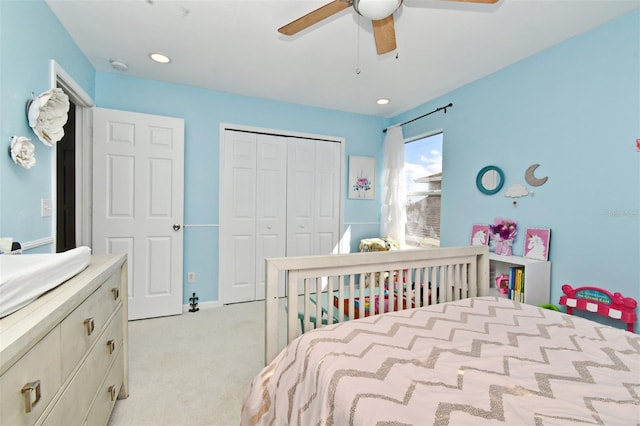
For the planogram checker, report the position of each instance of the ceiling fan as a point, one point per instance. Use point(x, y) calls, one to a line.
point(379, 11)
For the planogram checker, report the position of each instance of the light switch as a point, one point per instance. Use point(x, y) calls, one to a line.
point(45, 207)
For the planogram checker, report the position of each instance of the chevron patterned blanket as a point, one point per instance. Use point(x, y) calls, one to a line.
point(478, 361)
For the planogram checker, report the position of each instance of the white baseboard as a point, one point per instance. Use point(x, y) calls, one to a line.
point(203, 305)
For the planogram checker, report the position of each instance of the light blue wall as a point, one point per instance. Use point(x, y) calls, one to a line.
point(30, 36)
point(575, 110)
point(203, 111)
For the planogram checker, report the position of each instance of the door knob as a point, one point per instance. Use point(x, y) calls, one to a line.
point(176, 226)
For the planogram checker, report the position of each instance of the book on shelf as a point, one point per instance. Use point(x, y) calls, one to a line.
point(516, 283)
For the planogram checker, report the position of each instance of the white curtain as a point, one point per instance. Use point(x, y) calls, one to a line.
point(394, 193)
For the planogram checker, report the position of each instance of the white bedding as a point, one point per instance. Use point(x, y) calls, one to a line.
point(24, 277)
point(478, 361)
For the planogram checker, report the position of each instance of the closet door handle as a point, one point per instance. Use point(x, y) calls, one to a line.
point(176, 226)
point(31, 394)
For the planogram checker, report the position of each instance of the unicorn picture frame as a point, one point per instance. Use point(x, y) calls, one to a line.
point(479, 235)
point(536, 243)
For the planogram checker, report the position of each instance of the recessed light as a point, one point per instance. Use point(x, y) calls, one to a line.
point(160, 58)
point(382, 101)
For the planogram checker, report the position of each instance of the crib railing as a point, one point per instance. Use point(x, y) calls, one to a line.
point(324, 289)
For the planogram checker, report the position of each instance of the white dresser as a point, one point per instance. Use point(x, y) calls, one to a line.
point(63, 358)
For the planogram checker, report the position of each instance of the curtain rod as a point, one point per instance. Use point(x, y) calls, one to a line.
point(422, 116)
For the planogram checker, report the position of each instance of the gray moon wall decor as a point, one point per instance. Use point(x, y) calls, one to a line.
point(532, 179)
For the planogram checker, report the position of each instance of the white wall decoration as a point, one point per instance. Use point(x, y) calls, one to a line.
point(47, 114)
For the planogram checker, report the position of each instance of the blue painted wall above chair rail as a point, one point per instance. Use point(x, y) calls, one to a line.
point(573, 109)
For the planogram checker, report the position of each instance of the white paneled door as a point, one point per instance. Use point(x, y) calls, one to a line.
point(313, 197)
point(252, 209)
point(280, 196)
point(271, 204)
point(138, 186)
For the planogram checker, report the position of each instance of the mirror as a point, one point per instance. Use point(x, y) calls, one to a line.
point(490, 180)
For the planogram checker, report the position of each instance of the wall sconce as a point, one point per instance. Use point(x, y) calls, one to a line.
point(22, 151)
point(47, 114)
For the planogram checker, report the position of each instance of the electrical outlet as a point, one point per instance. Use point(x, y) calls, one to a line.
point(191, 277)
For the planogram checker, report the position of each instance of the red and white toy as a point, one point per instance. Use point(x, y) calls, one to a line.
point(601, 302)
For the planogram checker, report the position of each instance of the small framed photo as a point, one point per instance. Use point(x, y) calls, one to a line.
point(479, 235)
point(362, 177)
point(536, 243)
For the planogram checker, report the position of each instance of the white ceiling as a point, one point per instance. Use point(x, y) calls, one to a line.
point(233, 45)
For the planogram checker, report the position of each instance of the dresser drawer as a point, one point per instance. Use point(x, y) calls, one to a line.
point(72, 406)
point(41, 366)
point(107, 393)
point(83, 326)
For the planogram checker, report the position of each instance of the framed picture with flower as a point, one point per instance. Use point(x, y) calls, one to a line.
point(362, 177)
point(479, 235)
point(536, 243)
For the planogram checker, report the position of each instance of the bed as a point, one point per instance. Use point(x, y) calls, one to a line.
point(475, 361)
point(25, 277)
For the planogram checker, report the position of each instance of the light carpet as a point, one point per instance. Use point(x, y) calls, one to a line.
point(194, 368)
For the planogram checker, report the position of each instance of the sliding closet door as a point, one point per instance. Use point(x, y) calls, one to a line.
point(238, 217)
point(327, 198)
point(300, 196)
point(252, 211)
point(280, 196)
point(271, 223)
point(313, 197)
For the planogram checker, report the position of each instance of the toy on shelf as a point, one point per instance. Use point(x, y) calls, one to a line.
point(502, 283)
point(601, 302)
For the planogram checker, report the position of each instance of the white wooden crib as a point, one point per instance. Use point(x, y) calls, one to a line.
point(324, 289)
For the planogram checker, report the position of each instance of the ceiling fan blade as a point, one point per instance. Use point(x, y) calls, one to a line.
point(384, 33)
point(314, 17)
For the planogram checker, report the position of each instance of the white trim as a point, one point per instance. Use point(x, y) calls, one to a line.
point(38, 243)
point(71, 88)
point(435, 192)
point(425, 135)
point(202, 306)
point(252, 129)
point(84, 183)
point(84, 166)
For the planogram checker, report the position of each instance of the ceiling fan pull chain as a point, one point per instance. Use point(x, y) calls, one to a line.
point(358, 48)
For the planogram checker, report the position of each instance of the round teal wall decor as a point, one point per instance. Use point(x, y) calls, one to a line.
point(490, 180)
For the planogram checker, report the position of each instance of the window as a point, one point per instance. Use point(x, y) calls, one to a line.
point(423, 170)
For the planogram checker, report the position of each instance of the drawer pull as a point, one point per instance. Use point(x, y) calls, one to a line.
point(89, 325)
point(116, 293)
point(111, 344)
point(31, 394)
point(112, 392)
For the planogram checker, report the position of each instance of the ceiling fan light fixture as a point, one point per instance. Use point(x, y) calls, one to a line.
point(382, 101)
point(160, 58)
point(376, 9)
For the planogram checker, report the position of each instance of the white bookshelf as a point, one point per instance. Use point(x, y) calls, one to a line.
point(537, 277)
